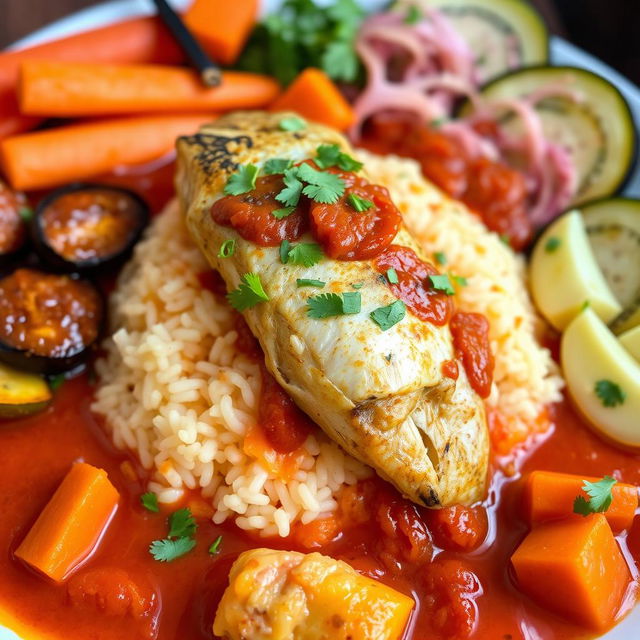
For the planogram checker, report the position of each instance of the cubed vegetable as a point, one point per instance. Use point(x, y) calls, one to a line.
point(575, 568)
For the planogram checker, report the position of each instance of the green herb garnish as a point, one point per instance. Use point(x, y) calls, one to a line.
point(386, 317)
point(276, 165)
point(440, 257)
point(26, 213)
point(283, 213)
point(215, 546)
point(227, 249)
point(327, 305)
point(290, 195)
point(55, 382)
point(305, 254)
point(459, 280)
point(292, 123)
point(358, 203)
point(167, 550)
point(248, 294)
point(329, 155)
point(182, 524)
point(357, 285)
point(442, 283)
point(322, 186)
point(243, 181)
point(552, 244)
point(600, 497)
point(150, 502)
point(306, 282)
point(285, 245)
point(610, 393)
point(392, 276)
point(413, 16)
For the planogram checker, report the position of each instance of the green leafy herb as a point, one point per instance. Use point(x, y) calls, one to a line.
point(305, 282)
point(215, 546)
point(227, 249)
point(610, 393)
point(182, 524)
point(358, 203)
point(276, 165)
point(285, 245)
point(292, 123)
point(441, 258)
point(552, 244)
point(505, 239)
point(442, 283)
point(305, 254)
point(357, 285)
point(461, 281)
point(290, 195)
point(327, 305)
point(55, 382)
point(26, 213)
point(392, 276)
point(150, 502)
point(436, 123)
point(600, 497)
point(243, 181)
point(386, 317)
point(282, 213)
point(168, 550)
point(329, 155)
point(248, 294)
point(323, 187)
point(414, 15)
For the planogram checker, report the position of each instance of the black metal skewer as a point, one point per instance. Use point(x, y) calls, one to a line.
point(209, 71)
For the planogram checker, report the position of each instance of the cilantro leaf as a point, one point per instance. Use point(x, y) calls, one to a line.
point(285, 245)
point(552, 244)
point(167, 550)
point(276, 165)
point(358, 203)
point(440, 257)
point(227, 249)
point(340, 61)
point(290, 195)
point(305, 254)
point(292, 123)
point(392, 276)
point(461, 281)
point(610, 393)
point(182, 524)
point(357, 285)
point(600, 496)
point(442, 283)
point(305, 282)
point(413, 16)
point(248, 294)
point(386, 317)
point(243, 181)
point(215, 546)
point(323, 187)
point(327, 305)
point(26, 213)
point(329, 155)
point(149, 501)
point(282, 213)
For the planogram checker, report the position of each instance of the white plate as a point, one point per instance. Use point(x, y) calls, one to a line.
point(562, 52)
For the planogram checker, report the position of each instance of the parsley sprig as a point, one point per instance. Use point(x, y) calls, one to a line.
point(249, 293)
point(600, 497)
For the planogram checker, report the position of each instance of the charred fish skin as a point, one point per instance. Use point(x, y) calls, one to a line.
point(421, 431)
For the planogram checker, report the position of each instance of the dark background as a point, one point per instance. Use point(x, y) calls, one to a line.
point(610, 29)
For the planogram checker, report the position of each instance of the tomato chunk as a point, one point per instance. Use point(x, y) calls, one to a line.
point(458, 528)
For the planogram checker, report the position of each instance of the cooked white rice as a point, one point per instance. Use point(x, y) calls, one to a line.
point(176, 390)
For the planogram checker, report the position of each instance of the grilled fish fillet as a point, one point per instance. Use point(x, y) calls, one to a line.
point(380, 395)
point(285, 595)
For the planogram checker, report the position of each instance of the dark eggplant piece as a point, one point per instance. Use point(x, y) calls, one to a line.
point(49, 323)
point(14, 213)
point(88, 228)
point(22, 394)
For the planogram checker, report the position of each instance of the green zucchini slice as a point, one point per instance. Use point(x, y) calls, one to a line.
point(597, 129)
point(21, 394)
point(503, 34)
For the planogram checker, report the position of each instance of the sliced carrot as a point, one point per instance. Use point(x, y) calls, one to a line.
point(70, 89)
point(137, 40)
point(575, 568)
point(314, 96)
point(71, 525)
point(222, 27)
point(549, 496)
point(55, 156)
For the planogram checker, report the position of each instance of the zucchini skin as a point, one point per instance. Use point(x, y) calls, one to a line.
point(22, 394)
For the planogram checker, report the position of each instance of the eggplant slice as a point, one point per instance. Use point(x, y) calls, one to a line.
point(14, 211)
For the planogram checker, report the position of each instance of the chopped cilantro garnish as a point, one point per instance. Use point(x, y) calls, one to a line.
point(358, 203)
point(150, 502)
point(182, 524)
point(357, 285)
point(442, 283)
point(440, 257)
point(168, 550)
point(392, 276)
point(243, 181)
point(327, 305)
point(305, 254)
point(292, 123)
point(290, 195)
point(321, 186)
point(610, 393)
point(600, 497)
point(227, 249)
point(552, 244)
point(413, 16)
point(329, 155)
point(282, 213)
point(215, 546)
point(26, 213)
point(285, 245)
point(386, 317)
point(461, 281)
point(248, 294)
point(307, 282)
point(276, 165)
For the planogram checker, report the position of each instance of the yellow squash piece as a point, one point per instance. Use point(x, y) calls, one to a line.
point(564, 274)
point(630, 340)
point(282, 595)
point(21, 394)
point(590, 354)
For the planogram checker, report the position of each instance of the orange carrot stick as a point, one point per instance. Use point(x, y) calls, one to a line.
point(55, 156)
point(69, 89)
point(71, 525)
point(131, 41)
point(313, 95)
point(550, 496)
point(222, 26)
